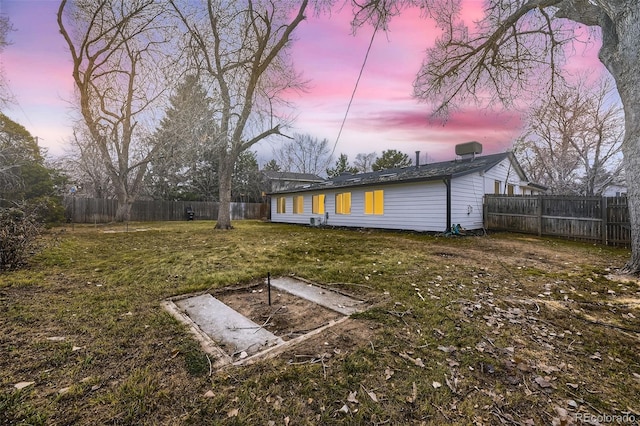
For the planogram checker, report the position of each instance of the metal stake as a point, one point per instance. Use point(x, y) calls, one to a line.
point(269, 286)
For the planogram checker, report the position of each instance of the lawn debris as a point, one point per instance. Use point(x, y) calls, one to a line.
point(416, 361)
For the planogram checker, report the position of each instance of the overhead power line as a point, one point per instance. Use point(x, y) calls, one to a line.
point(353, 94)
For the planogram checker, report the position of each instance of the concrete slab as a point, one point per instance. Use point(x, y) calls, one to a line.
point(226, 325)
point(323, 297)
point(225, 333)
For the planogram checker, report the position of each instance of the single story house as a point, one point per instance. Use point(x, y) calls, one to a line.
point(427, 197)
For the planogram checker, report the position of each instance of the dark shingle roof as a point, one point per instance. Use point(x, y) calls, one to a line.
point(425, 172)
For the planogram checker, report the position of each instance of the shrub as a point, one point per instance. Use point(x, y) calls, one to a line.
point(47, 209)
point(19, 231)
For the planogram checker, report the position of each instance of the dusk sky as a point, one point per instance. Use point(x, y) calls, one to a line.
point(383, 115)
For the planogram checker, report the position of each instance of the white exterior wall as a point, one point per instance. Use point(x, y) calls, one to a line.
point(505, 173)
point(414, 206)
point(466, 201)
point(418, 206)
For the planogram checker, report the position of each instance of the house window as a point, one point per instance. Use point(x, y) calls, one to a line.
point(374, 202)
point(510, 189)
point(298, 204)
point(497, 185)
point(317, 205)
point(343, 203)
point(282, 202)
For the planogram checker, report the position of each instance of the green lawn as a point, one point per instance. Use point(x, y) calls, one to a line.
point(501, 329)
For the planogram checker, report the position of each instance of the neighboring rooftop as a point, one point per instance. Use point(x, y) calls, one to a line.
point(291, 176)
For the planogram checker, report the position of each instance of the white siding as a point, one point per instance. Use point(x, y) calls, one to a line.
point(415, 206)
point(466, 201)
point(418, 206)
point(506, 174)
point(289, 216)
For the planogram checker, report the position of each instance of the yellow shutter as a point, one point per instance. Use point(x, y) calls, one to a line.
point(318, 204)
point(378, 202)
point(368, 202)
point(343, 203)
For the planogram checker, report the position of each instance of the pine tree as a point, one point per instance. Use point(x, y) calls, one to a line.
point(185, 166)
point(391, 159)
point(342, 166)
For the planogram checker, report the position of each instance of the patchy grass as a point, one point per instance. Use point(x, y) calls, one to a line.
point(476, 330)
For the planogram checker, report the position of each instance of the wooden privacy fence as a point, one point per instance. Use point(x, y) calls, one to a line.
point(98, 210)
point(599, 219)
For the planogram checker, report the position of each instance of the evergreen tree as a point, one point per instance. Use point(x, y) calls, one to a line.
point(391, 159)
point(342, 166)
point(185, 162)
point(24, 177)
point(246, 182)
point(272, 165)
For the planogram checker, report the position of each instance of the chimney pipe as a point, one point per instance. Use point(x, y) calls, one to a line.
point(417, 158)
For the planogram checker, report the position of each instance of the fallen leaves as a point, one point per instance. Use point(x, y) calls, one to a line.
point(543, 382)
point(447, 349)
point(371, 394)
point(344, 409)
point(416, 361)
point(388, 373)
point(22, 385)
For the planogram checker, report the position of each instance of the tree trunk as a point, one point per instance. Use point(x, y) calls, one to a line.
point(631, 153)
point(225, 176)
point(620, 53)
point(123, 213)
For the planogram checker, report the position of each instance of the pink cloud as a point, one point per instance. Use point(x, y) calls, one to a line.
point(383, 115)
point(470, 120)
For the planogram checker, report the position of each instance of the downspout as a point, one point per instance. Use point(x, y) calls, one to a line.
point(447, 183)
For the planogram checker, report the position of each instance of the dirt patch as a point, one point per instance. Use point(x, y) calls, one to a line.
point(287, 317)
point(309, 332)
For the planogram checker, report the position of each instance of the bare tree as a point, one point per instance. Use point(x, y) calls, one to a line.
point(572, 140)
point(364, 162)
point(241, 46)
point(520, 45)
point(119, 50)
point(83, 164)
point(5, 28)
point(304, 154)
point(9, 177)
point(600, 145)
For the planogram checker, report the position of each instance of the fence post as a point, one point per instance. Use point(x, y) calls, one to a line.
point(539, 215)
point(605, 220)
point(485, 212)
